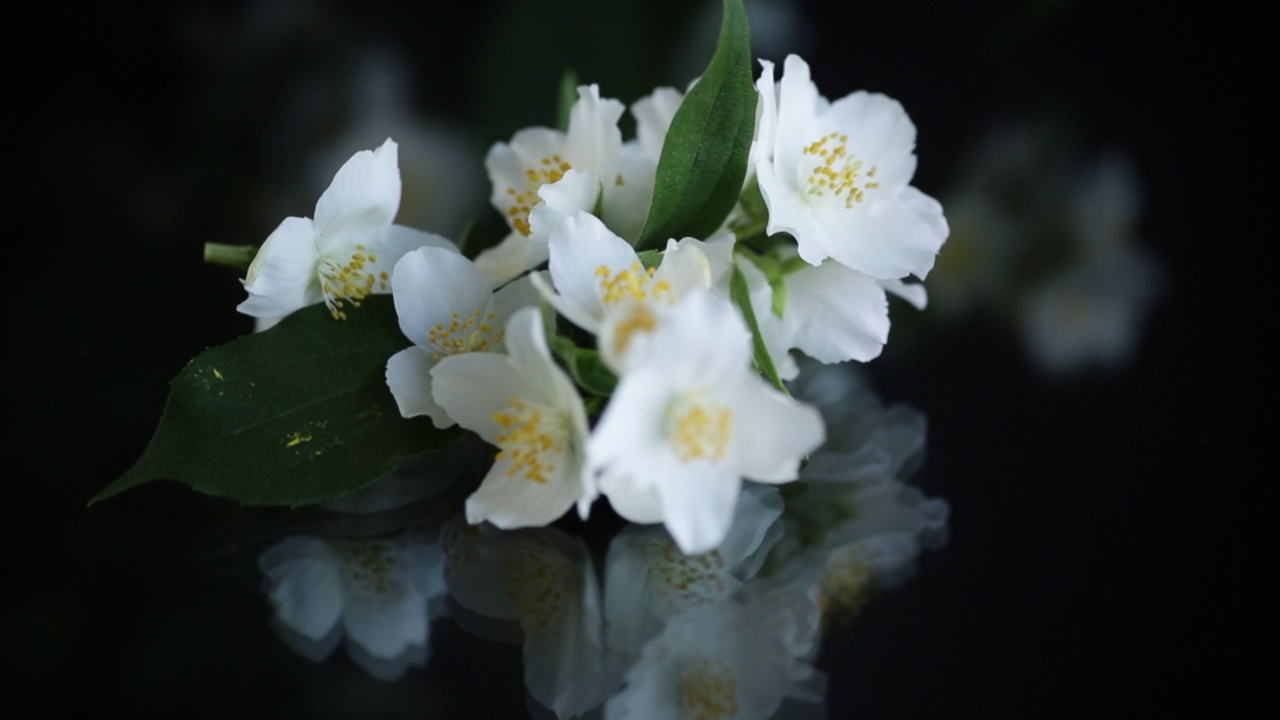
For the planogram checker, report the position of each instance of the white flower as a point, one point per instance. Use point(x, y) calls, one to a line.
point(717, 661)
point(602, 287)
point(526, 406)
point(1091, 313)
point(543, 580)
point(838, 180)
point(541, 156)
point(648, 580)
point(379, 589)
point(444, 305)
point(690, 419)
point(830, 313)
point(343, 255)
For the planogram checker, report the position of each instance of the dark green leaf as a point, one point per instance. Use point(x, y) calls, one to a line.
point(296, 415)
point(704, 157)
point(585, 366)
point(741, 296)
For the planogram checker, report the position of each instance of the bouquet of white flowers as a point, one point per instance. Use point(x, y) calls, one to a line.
point(630, 337)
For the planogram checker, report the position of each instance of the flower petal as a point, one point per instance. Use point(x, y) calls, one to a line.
point(365, 192)
point(836, 314)
point(431, 287)
point(282, 276)
point(409, 378)
point(305, 585)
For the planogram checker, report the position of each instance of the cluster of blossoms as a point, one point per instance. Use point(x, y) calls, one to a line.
point(639, 630)
point(596, 369)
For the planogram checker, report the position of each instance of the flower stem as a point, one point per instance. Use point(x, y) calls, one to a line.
point(233, 256)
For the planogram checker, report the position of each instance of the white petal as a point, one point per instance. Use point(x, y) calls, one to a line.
point(430, 285)
point(653, 114)
point(511, 257)
point(387, 626)
point(305, 585)
point(282, 276)
point(580, 246)
point(836, 314)
point(472, 386)
point(697, 505)
point(913, 293)
point(766, 116)
point(409, 378)
point(798, 103)
point(512, 298)
point(514, 502)
point(575, 192)
point(364, 193)
point(639, 505)
point(776, 434)
point(593, 138)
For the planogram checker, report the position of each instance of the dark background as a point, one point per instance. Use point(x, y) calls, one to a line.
point(1105, 552)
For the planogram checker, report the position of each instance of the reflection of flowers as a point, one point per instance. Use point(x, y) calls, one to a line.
point(717, 661)
point(544, 581)
point(379, 589)
point(648, 580)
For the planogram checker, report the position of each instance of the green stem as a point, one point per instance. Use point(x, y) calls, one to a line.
point(232, 256)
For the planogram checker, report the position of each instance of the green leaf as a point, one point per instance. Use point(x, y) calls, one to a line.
point(704, 157)
point(296, 415)
point(650, 258)
point(741, 296)
point(586, 367)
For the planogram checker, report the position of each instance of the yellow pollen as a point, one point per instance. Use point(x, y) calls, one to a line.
point(838, 172)
point(522, 201)
point(462, 335)
point(640, 319)
point(708, 691)
point(530, 440)
point(634, 283)
point(351, 280)
point(371, 568)
point(698, 429)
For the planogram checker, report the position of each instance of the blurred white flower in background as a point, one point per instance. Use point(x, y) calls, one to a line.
point(1048, 245)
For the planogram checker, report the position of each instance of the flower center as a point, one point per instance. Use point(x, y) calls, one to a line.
point(536, 586)
point(370, 569)
point(690, 580)
point(838, 172)
point(634, 283)
point(473, 333)
point(349, 281)
point(709, 691)
point(532, 440)
point(698, 429)
point(639, 319)
point(521, 202)
point(844, 589)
